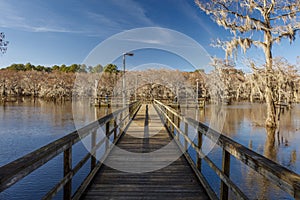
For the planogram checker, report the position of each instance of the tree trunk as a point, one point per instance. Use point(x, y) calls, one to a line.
point(270, 150)
point(251, 91)
point(271, 111)
point(238, 95)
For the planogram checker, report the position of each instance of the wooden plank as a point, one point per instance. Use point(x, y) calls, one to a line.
point(211, 194)
point(280, 176)
point(176, 181)
point(92, 174)
point(203, 180)
point(224, 193)
point(200, 140)
point(18, 169)
point(107, 136)
point(219, 172)
point(93, 144)
point(115, 128)
point(186, 133)
point(67, 170)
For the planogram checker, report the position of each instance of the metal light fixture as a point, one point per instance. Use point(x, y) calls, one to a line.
point(124, 84)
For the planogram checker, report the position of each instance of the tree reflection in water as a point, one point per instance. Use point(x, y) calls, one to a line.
point(244, 123)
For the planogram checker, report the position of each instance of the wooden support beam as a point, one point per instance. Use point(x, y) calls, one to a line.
point(199, 160)
point(67, 169)
point(226, 170)
point(107, 136)
point(186, 132)
point(172, 126)
point(115, 128)
point(93, 144)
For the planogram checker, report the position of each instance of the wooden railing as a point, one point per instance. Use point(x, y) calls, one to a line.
point(18, 169)
point(280, 176)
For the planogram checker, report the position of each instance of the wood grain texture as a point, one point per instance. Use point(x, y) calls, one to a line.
point(175, 181)
point(277, 174)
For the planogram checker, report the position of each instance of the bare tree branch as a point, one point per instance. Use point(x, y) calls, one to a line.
point(273, 19)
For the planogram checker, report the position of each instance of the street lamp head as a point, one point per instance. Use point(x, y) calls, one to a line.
point(128, 54)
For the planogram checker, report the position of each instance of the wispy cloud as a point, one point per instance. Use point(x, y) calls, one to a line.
point(15, 16)
point(192, 14)
point(101, 19)
point(144, 41)
point(38, 17)
point(135, 13)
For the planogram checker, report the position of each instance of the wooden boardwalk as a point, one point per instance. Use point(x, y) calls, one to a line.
point(146, 162)
point(134, 177)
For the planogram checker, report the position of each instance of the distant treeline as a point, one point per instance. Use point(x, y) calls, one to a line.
point(64, 68)
point(224, 84)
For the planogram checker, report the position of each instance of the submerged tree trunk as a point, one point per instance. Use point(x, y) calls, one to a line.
point(247, 20)
point(271, 111)
point(270, 150)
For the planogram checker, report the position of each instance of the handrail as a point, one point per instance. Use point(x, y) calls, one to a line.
point(280, 176)
point(18, 169)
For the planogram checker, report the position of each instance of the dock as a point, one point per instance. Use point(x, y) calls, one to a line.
point(142, 151)
point(145, 135)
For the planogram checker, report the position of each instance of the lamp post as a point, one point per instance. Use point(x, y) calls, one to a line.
point(197, 90)
point(124, 84)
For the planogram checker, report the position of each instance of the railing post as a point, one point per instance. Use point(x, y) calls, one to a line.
point(168, 121)
point(93, 144)
point(130, 110)
point(107, 136)
point(127, 119)
point(172, 124)
point(67, 169)
point(120, 123)
point(186, 133)
point(226, 170)
point(200, 148)
point(115, 129)
point(178, 122)
point(166, 115)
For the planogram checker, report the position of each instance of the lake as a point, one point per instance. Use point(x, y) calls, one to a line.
point(29, 125)
point(244, 123)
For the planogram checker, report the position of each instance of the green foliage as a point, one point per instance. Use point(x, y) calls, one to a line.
point(73, 68)
point(64, 68)
point(200, 70)
point(111, 68)
point(56, 67)
point(28, 67)
point(17, 67)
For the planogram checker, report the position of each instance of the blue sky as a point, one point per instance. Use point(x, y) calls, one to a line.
point(65, 32)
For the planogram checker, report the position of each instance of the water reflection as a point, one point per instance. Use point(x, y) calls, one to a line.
point(270, 150)
point(244, 123)
point(84, 113)
point(29, 124)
